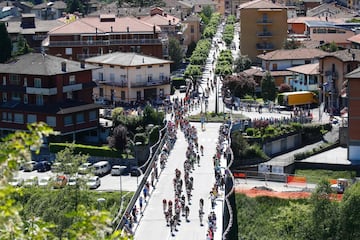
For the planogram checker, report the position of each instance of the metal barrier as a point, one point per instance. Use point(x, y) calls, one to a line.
point(154, 154)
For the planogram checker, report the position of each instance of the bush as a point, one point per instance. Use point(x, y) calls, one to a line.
point(250, 131)
point(154, 135)
point(86, 149)
point(140, 137)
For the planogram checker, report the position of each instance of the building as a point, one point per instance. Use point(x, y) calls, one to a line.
point(32, 29)
point(49, 10)
point(191, 30)
point(37, 87)
point(93, 36)
point(264, 29)
point(333, 67)
point(130, 77)
point(305, 77)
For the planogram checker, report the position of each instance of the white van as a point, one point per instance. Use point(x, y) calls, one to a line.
point(101, 168)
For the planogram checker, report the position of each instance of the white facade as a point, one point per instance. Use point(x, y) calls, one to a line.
point(280, 65)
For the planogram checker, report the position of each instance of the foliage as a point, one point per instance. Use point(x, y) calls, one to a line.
point(193, 71)
point(240, 84)
point(75, 6)
point(206, 13)
point(118, 139)
point(268, 88)
point(175, 53)
point(140, 138)
point(104, 151)
point(154, 135)
point(228, 34)
point(190, 49)
point(5, 44)
point(291, 44)
point(151, 116)
point(242, 63)
point(22, 46)
point(284, 87)
point(330, 47)
point(69, 160)
point(211, 27)
point(314, 175)
point(315, 150)
point(224, 63)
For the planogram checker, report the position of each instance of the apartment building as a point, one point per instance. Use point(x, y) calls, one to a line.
point(263, 27)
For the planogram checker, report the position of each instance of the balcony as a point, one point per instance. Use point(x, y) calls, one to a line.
point(264, 21)
point(264, 34)
point(41, 91)
point(73, 87)
point(122, 84)
point(108, 42)
point(165, 80)
point(264, 46)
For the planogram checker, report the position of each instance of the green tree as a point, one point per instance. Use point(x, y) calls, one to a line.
point(190, 48)
point(268, 88)
point(291, 44)
point(242, 63)
point(330, 47)
point(75, 6)
point(350, 213)
point(176, 53)
point(5, 44)
point(240, 84)
point(69, 160)
point(118, 139)
point(23, 47)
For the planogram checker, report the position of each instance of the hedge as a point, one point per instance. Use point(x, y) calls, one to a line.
point(87, 149)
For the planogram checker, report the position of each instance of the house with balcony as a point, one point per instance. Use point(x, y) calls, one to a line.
point(130, 77)
point(94, 36)
point(265, 28)
point(333, 67)
point(37, 87)
point(305, 77)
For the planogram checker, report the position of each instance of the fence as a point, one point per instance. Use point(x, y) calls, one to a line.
point(154, 154)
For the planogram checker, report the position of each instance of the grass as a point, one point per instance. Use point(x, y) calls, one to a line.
point(314, 176)
point(212, 117)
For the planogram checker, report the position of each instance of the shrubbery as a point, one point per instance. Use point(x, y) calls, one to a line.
point(87, 149)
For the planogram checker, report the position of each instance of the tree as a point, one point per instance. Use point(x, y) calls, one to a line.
point(70, 161)
point(240, 84)
point(268, 88)
point(284, 87)
point(118, 139)
point(23, 47)
point(291, 44)
point(75, 6)
point(242, 63)
point(176, 53)
point(5, 44)
point(330, 47)
point(190, 48)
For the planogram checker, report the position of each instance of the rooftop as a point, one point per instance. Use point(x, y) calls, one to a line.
point(55, 5)
point(308, 69)
point(261, 4)
point(161, 20)
point(346, 55)
point(291, 54)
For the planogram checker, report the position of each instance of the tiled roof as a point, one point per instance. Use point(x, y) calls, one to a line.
point(308, 69)
point(126, 59)
point(14, 27)
point(355, 39)
point(323, 19)
point(299, 53)
point(93, 24)
point(260, 4)
point(345, 55)
point(353, 74)
point(160, 20)
point(44, 65)
point(55, 5)
point(274, 73)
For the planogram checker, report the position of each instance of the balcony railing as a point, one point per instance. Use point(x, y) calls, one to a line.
point(122, 84)
point(264, 34)
point(105, 42)
point(158, 82)
point(264, 21)
point(73, 87)
point(264, 46)
point(41, 91)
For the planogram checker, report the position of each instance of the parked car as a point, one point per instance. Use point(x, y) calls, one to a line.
point(31, 182)
point(93, 182)
point(43, 166)
point(29, 166)
point(135, 172)
point(60, 181)
point(101, 168)
point(16, 181)
point(45, 181)
point(117, 170)
point(84, 168)
point(72, 181)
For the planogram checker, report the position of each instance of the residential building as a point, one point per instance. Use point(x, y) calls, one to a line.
point(333, 67)
point(49, 10)
point(37, 87)
point(264, 29)
point(198, 5)
point(355, 41)
point(32, 29)
point(331, 10)
point(305, 77)
point(7, 9)
point(130, 77)
point(93, 36)
point(191, 29)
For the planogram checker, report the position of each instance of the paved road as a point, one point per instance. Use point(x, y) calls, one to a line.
point(153, 225)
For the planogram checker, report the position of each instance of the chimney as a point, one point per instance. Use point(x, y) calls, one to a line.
point(63, 66)
point(82, 64)
point(353, 56)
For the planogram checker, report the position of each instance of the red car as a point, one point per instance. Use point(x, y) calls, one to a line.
point(60, 181)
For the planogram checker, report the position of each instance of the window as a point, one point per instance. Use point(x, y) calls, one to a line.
point(4, 116)
point(15, 96)
point(25, 82)
point(101, 92)
point(14, 79)
point(112, 77)
point(274, 66)
point(68, 120)
point(150, 66)
point(138, 67)
point(123, 78)
point(39, 100)
point(9, 117)
point(101, 51)
point(4, 80)
point(31, 118)
point(161, 76)
point(37, 82)
point(80, 118)
point(122, 67)
point(138, 95)
point(69, 95)
point(68, 51)
point(51, 121)
point(18, 118)
point(307, 61)
point(72, 80)
point(192, 29)
point(26, 100)
point(4, 97)
point(101, 76)
point(92, 116)
point(123, 95)
point(111, 66)
point(161, 92)
point(149, 77)
point(161, 65)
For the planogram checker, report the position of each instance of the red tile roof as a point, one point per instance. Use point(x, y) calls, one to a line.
point(299, 53)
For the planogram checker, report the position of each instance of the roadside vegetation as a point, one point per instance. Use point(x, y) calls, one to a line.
point(314, 175)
